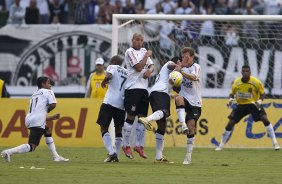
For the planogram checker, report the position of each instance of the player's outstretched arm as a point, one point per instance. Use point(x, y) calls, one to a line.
point(54, 117)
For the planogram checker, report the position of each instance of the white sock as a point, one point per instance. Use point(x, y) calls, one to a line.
point(24, 148)
point(225, 137)
point(181, 115)
point(51, 145)
point(126, 133)
point(140, 133)
point(108, 143)
point(143, 140)
point(155, 116)
point(118, 142)
point(190, 144)
point(271, 133)
point(159, 146)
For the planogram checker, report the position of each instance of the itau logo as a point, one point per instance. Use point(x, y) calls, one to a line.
point(65, 58)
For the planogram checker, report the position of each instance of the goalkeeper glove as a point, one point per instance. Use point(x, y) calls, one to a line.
point(231, 102)
point(258, 104)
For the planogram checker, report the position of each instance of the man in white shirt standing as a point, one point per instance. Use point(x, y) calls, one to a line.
point(41, 102)
point(189, 100)
point(113, 107)
point(16, 14)
point(160, 102)
point(136, 102)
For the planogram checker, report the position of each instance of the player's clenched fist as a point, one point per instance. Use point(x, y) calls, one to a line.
point(149, 53)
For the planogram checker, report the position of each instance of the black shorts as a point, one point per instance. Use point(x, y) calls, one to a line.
point(108, 112)
point(35, 135)
point(242, 110)
point(160, 101)
point(192, 112)
point(136, 101)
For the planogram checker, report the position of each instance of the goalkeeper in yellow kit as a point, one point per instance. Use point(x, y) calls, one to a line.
point(248, 92)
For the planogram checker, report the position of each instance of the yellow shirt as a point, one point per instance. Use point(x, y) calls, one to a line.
point(96, 89)
point(1, 87)
point(249, 92)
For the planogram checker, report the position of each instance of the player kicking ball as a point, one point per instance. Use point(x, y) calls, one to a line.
point(112, 107)
point(160, 102)
point(41, 102)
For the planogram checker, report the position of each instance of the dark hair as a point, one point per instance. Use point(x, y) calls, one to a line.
point(41, 80)
point(246, 66)
point(116, 60)
point(175, 59)
point(137, 35)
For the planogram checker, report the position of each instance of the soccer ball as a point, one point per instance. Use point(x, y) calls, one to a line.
point(175, 78)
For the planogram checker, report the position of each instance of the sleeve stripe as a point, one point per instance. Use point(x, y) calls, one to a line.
point(132, 59)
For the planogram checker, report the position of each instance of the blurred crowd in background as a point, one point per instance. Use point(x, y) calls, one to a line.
point(100, 11)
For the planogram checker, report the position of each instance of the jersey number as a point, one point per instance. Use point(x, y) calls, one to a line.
point(33, 104)
point(123, 81)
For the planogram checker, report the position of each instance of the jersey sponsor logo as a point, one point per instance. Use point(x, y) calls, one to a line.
point(244, 95)
point(61, 57)
point(187, 83)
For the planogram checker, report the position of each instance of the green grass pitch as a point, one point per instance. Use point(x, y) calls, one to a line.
point(86, 165)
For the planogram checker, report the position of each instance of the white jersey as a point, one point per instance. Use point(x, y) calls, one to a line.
point(38, 108)
point(162, 84)
point(115, 93)
point(191, 90)
point(135, 79)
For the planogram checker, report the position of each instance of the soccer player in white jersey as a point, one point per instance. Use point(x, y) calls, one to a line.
point(113, 107)
point(136, 102)
point(189, 99)
point(41, 102)
point(160, 102)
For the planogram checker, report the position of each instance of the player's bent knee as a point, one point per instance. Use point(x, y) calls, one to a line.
point(162, 132)
point(230, 125)
point(166, 113)
point(119, 134)
point(103, 128)
point(47, 132)
point(129, 121)
point(179, 100)
point(161, 124)
point(190, 135)
point(191, 132)
point(118, 129)
point(266, 122)
point(32, 147)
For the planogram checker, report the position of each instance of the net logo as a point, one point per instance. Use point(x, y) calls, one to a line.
point(61, 57)
point(64, 127)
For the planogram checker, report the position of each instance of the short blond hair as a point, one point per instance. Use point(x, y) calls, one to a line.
point(188, 50)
